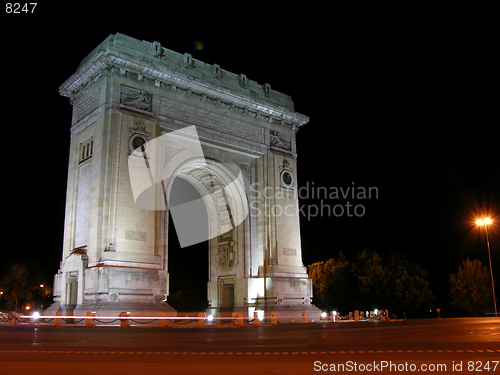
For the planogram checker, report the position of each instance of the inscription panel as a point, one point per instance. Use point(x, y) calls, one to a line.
point(211, 120)
point(289, 252)
point(82, 206)
point(135, 236)
point(88, 104)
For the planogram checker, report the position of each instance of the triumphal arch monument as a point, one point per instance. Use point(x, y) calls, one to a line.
point(144, 116)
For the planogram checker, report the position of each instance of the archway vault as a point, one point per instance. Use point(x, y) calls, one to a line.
point(223, 193)
point(224, 197)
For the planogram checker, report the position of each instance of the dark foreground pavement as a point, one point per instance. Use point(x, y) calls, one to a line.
point(439, 346)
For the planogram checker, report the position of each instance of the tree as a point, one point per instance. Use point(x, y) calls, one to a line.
point(375, 280)
point(15, 285)
point(331, 283)
point(389, 281)
point(470, 287)
point(371, 277)
point(407, 287)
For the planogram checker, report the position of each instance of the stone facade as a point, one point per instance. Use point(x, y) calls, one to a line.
point(115, 254)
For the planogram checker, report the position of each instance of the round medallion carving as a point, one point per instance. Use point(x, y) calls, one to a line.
point(286, 179)
point(138, 144)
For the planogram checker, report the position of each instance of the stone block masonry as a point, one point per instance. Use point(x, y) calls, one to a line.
point(115, 254)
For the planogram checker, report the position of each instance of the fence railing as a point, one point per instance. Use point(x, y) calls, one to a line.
point(125, 319)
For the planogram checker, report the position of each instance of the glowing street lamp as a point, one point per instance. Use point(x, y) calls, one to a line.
point(487, 221)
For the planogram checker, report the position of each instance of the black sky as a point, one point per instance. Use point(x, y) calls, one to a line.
point(406, 106)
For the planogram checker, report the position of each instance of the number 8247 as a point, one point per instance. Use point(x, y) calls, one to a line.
point(479, 366)
point(20, 8)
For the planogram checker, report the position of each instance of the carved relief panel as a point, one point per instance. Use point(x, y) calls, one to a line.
point(135, 98)
point(280, 141)
point(225, 253)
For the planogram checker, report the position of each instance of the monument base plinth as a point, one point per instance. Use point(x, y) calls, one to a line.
point(114, 309)
point(293, 313)
point(284, 313)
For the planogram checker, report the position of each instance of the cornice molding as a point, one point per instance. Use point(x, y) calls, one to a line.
point(113, 61)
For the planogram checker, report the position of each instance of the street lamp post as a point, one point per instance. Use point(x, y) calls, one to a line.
point(487, 222)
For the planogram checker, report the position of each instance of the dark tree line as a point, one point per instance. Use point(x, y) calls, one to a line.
point(372, 280)
point(390, 281)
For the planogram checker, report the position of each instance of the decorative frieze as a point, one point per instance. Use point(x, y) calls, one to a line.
point(141, 100)
point(246, 95)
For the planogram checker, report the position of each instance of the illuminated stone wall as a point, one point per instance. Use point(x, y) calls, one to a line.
point(126, 89)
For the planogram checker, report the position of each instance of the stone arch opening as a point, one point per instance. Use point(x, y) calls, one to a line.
point(210, 195)
point(188, 267)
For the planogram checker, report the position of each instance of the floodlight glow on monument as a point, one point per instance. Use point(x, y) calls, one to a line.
point(151, 176)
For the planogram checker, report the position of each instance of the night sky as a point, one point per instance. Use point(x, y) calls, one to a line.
point(404, 106)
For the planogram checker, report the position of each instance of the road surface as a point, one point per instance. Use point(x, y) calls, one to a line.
point(439, 346)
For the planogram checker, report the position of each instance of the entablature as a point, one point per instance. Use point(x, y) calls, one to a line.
point(276, 108)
